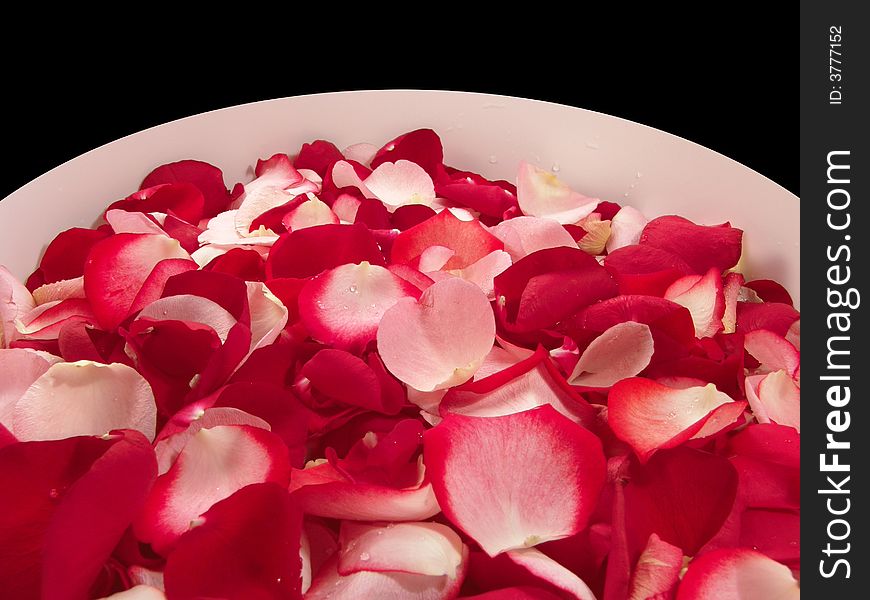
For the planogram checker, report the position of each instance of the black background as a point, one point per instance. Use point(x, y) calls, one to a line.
point(728, 82)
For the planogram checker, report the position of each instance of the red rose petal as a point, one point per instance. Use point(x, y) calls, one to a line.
point(73, 500)
point(207, 178)
point(317, 156)
point(247, 265)
point(650, 416)
point(65, 256)
point(682, 495)
point(774, 352)
point(550, 285)
point(344, 306)
point(308, 252)
point(773, 316)
point(737, 574)
point(247, 547)
point(183, 199)
point(421, 146)
point(418, 340)
point(487, 490)
point(483, 196)
point(644, 269)
point(770, 291)
point(701, 247)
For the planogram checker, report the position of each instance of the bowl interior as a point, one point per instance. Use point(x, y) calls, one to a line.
point(597, 154)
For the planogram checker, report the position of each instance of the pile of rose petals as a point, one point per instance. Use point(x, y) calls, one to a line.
point(365, 374)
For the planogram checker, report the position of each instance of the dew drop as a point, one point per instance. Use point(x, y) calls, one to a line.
point(344, 307)
point(625, 194)
point(672, 415)
point(493, 159)
point(638, 175)
point(555, 168)
point(352, 289)
point(380, 532)
point(632, 186)
point(53, 493)
point(365, 556)
point(391, 525)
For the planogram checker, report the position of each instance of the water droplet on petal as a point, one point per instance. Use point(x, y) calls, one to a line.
point(53, 493)
point(672, 415)
point(352, 289)
point(344, 307)
point(638, 174)
point(555, 168)
point(365, 556)
point(493, 159)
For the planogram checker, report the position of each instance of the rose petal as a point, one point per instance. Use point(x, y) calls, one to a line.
point(527, 384)
point(542, 194)
point(468, 240)
point(59, 290)
point(74, 498)
point(650, 416)
point(246, 547)
point(773, 351)
point(702, 247)
point(344, 306)
point(775, 398)
point(214, 464)
point(421, 146)
point(207, 178)
point(192, 309)
point(645, 269)
point(704, 298)
point(544, 567)
point(138, 592)
point(19, 368)
point(737, 574)
point(487, 489)
point(773, 316)
point(656, 573)
point(118, 267)
point(85, 398)
point(524, 235)
point(770, 291)
point(122, 221)
point(418, 548)
point(400, 183)
point(15, 302)
point(317, 156)
point(418, 341)
point(624, 350)
point(308, 252)
point(65, 256)
point(625, 228)
point(731, 292)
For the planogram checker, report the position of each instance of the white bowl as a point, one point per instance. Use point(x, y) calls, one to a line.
point(597, 154)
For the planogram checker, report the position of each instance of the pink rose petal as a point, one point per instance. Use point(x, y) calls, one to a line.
point(625, 228)
point(419, 548)
point(542, 194)
point(85, 398)
point(19, 368)
point(440, 340)
point(15, 302)
point(657, 571)
point(547, 569)
point(400, 183)
point(772, 351)
point(524, 235)
point(479, 468)
point(624, 350)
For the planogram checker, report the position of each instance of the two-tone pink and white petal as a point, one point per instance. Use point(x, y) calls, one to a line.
point(439, 340)
point(541, 194)
point(268, 314)
point(344, 306)
point(480, 471)
point(484, 271)
point(542, 566)
point(401, 183)
point(625, 228)
point(650, 416)
point(526, 384)
point(59, 290)
point(523, 235)
point(363, 153)
point(122, 221)
point(775, 398)
point(773, 351)
point(214, 464)
point(118, 267)
point(622, 351)
point(732, 287)
point(138, 592)
point(420, 548)
point(15, 302)
point(703, 297)
point(310, 213)
point(657, 571)
point(19, 368)
point(191, 308)
point(737, 574)
point(221, 231)
point(84, 398)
